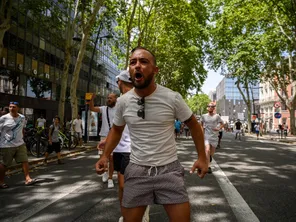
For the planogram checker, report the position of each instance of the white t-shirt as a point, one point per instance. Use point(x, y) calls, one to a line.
point(257, 127)
point(209, 123)
point(11, 131)
point(77, 125)
point(152, 138)
point(105, 126)
point(124, 145)
point(41, 122)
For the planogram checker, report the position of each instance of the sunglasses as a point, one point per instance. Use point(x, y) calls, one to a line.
point(141, 111)
point(211, 106)
point(14, 103)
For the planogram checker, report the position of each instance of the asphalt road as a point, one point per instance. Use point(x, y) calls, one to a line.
point(252, 181)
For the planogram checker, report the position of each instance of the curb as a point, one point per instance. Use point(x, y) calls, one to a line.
point(38, 162)
point(266, 137)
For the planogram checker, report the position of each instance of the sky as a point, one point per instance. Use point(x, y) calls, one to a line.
point(212, 81)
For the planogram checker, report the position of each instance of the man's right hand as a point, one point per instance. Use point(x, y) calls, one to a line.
point(201, 166)
point(102, 165)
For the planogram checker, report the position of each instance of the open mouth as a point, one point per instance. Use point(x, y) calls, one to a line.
point(138, 76)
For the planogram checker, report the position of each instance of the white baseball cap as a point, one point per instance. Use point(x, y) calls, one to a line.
point(124, 76)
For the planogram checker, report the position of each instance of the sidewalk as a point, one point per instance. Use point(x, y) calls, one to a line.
point(36, 161)
point(274, 137)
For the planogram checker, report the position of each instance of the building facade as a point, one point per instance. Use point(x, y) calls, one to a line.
point(230, 102)
point(32, 63)
point(270, 104)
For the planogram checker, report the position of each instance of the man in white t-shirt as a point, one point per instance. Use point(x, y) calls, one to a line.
point(12, 145)
point(154, 174)
point(77, 128)
point(107, 121)
point(212, 124)
point(40, 122)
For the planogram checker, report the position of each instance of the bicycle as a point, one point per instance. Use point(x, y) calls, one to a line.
point(67, 140)
point(31, 141)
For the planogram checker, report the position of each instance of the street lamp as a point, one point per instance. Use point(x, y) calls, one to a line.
point(89, 78)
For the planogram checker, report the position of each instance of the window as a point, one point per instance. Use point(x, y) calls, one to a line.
point(9, 81)
point(28, 65)
point(11, 57)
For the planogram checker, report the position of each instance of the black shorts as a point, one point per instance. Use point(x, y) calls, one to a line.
point(120, 161)
point(220, 135)
point(56, 146)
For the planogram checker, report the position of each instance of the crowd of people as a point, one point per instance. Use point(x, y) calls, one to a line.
point(138, 135)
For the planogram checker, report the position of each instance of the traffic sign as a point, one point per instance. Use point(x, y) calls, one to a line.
point(277, 104)
point(277, 115)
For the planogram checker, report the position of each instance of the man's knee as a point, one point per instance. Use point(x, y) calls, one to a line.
point(133, 214)
point(178, 212)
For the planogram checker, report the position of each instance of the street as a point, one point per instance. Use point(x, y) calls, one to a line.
point(252, 180)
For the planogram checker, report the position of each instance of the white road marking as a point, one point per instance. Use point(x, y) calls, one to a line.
point(238, 205)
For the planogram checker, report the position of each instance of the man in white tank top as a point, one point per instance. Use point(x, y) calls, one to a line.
point(107, 121)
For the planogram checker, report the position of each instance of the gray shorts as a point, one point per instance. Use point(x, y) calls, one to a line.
point(146, 185)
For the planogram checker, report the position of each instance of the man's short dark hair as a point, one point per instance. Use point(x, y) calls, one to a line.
point(140, 47)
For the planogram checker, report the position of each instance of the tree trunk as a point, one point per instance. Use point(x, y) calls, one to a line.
point(64, 81)
point(292, 121)
point(68, 53)
point(129, 29)
point(75, 78)
point(292, 115)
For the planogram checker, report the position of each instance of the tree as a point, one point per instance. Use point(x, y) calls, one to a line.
point(234, 44)
point(174, 31)
point(88, 18)
point(69, 31)
point(198, 103)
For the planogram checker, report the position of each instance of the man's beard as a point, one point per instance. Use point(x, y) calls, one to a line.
point(143, 85)
point(111, 104)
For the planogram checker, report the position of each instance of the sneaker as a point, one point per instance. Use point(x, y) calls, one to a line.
point(146, 214)
point(110, 183)
point(210, 170)
point(120, 219)
point(105, 177)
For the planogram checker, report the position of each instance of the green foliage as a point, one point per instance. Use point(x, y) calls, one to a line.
point(175, 31)
point(198, 103)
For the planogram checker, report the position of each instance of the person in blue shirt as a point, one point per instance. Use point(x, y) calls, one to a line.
point(177, 128)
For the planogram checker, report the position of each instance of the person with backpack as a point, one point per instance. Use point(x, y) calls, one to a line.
point(53, 142)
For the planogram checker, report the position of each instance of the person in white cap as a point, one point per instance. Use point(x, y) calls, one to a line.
point(121, 154)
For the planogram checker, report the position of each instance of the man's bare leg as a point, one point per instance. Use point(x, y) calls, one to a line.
point(208, 152)
point(25, 166)
point(120, 189)
point(133, 214)
point(212, 150)
point(178, 212)
point(111, 167)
